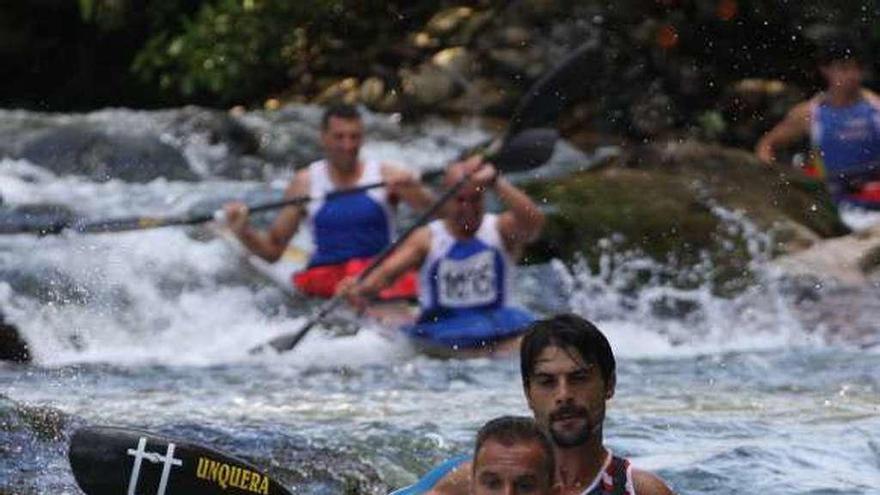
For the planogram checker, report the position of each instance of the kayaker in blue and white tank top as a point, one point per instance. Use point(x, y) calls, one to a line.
point(466, 262)
point(843, 123)
point(846, 139)
point(347, 230)
point(465, 289)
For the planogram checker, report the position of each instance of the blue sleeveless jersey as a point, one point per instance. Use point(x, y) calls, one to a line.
point(349, 226)
point(465, 290)
point(847, 138)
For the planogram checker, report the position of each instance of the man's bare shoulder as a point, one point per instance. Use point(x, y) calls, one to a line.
point(871, 97)
point(457, 482)
point(393, 166)
point(647, 483)
point(803, 110)
point(299, 185)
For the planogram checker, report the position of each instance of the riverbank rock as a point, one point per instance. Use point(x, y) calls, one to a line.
point(100, 156)
point(685, 204)
point(851, 260)
point(12, 346)
point(834, 287)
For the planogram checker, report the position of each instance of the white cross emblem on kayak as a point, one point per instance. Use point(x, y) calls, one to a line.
point(140, 454)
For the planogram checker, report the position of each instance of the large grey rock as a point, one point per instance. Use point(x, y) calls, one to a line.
point(850, 260)
point(219, 127)
point(686, 202)
point(101, 156)
point(428, 85)
point(12, 346)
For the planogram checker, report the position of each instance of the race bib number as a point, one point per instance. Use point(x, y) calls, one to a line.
point(469, 282)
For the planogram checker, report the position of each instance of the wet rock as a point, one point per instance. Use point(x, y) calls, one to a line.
point(453, 26)
point(220, 127)
point(457, 60)
point(447, 22)
point(372, 92)
point(515, 36)
point(427, 85)
point(528, 61)
point(839, 312)
point(423, 40)
point(242, 168)
point(686, 204)
point(34, 439)
point(849, 260)
point(345, 90)
point(101, 156)
point(12, 346)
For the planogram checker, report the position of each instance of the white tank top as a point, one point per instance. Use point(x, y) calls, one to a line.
point(466, 274)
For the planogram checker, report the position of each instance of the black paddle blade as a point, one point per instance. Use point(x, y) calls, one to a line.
point(567, 82)
point(118, 461)
point(526, 150)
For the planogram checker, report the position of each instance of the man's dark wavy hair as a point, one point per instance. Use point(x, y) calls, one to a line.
point(567, 331)
point(836, 47)
point(341, 111)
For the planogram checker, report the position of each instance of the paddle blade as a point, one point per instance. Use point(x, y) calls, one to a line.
point(118, 461)
point(526, 150)
point(567, 82)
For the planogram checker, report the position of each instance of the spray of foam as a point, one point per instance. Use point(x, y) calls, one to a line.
point(660, 318)
point(160, 297)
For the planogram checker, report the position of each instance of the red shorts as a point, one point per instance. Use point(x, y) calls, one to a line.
point(321, 281)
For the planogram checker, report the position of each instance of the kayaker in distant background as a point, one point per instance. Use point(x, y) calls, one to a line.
point(569, 374)
point(843, 123)
point(348, 230)
point(467, 261)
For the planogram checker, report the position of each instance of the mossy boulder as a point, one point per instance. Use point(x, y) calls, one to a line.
point(683, 205)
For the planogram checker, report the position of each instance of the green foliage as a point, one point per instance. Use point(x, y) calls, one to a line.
point(231, 50)
point(234, 51)
point(87, 9)
point(107, 15)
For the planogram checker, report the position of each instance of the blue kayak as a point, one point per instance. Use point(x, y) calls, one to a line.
point(468, 329)
point(429, 480)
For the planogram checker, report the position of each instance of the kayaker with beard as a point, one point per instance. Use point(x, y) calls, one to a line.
point(843, 123)
point(347, 230)
point(467, 261)
point(569, 374)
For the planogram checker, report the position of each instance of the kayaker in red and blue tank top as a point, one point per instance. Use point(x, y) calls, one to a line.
point(347, 230)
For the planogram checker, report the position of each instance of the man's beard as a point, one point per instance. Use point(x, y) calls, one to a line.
point(571, 438)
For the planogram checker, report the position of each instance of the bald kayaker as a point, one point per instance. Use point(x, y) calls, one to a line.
point(512, 456)
point(347, 230)
point(467, 262)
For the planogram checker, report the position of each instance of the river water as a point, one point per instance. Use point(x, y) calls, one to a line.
point(148, 329)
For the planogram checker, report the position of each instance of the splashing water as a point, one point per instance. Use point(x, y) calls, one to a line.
point(149, 329)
